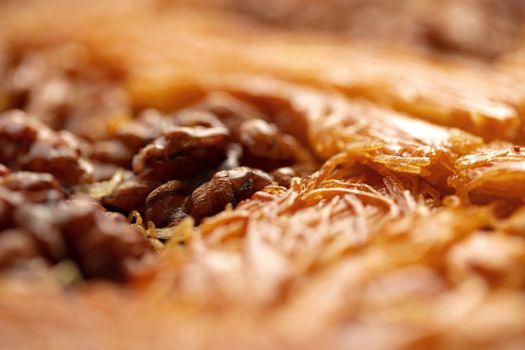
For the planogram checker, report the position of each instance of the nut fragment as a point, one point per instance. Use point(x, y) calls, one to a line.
point(265, 147)
point(17, 247)
point(230, 110)
point(164, 205)
point(113, 152)
point(263, 139)
point(181, 153)
point(283, 176)
point(27, 144)
point(129, 195)
point(104, 245)
point(227, 186)
point(36, 187)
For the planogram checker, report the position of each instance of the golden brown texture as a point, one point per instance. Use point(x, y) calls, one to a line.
point(482, 99)
point(409, 236)
point(481, 28)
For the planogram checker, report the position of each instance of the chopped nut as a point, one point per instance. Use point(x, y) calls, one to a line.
point(130, 195)
point(165, 204)
point(36, 187)
point(27, 144)
point(227, 186)
point(181, 153)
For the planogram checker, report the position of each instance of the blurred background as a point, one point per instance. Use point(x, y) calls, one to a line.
point(485, 29)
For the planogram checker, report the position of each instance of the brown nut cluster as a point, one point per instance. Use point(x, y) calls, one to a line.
point(62, 89)
point(39, 227)
point(102, 244)
point(128, 138)
point(198, 160)
point(27, 144)
point(227, 186)
point(35, 187)
point(194, 162)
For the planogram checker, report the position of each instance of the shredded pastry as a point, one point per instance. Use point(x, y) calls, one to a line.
point(262, 175)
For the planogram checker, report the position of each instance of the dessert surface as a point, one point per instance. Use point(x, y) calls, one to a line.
point(262, 174)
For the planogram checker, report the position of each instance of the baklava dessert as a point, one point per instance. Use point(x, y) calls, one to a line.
point(289, 174)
